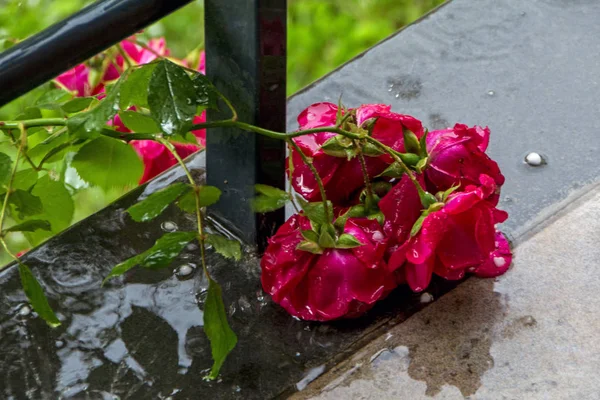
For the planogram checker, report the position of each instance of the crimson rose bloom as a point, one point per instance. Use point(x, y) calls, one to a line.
point(459, 237)
point(457, 157)
point(342, 177)
point(340, 283)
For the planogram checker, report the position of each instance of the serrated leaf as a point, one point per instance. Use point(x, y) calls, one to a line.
point(269, 199)
point(226, 247)
point(34, 292)
point(108, 163)
point(417, 226)
point(316, 211)
point(158, 256)
point(30, 226)
point(217, 329)
point(209, 195)
point(5, 168)
point(152, 206)
point(310, 235)
point(25, 179)
point(90, 123)
point(171, 98)
point(58, 207)
point(347, 241)
point(134, 91)
point(51, 144)
point(187, 202)
point(52, 98)
point(206, 93)
point(138, 122)
point(77, 104)
point(26, 204)
point(166, 249)
point(310, 247)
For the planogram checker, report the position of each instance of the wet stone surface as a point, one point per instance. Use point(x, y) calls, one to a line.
point(140, 337)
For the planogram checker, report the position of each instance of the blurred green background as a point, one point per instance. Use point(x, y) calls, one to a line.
point(322, 34)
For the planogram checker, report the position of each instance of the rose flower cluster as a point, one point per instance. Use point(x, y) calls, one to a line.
point(84, 81)
point(396, 227)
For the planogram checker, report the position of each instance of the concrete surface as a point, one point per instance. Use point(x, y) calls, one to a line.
point(531, 334)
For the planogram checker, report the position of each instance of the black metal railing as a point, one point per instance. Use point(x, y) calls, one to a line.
point(246, 60)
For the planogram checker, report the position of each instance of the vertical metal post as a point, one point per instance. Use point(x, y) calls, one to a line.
point(246, 60)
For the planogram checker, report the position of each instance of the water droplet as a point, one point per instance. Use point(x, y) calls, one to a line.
point(168, 226)
point(185, 270)
point(534, 159)
point(491, 93)
point(232, 309)
point(191, 247)
point(499, 262)
point(298, 354)
point(201, 296)
point(188, 101)
point(244, 304)
point(390, 89)
point(59, 344)
point(25, 311)
point(237, 389)
point(397, 95)
point(426, 298)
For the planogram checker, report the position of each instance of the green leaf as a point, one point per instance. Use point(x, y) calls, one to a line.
point(152, 206)
point(5, 168)
point(51, 98)
point(316, 211)
point(166, 249)
point(25, 179)
point(77, 104)
point(26, 203)
point(269, 198)
point(369, 149)
point(310, 235)
point(206, 93)
point(34, 292)
point(171, 98)
point(326, 241)
point(58, 208)
point(29, 113)
point(138, 122)
point(409, 159)
point(90, 123)
point(123, 267)
point(443, 196)
point(310, 247)
point(134, 91)
point(30, 226)
point(423, 143)
point(347, 241)
point(108, 163)
point(226, 247)
point(158, 256)
point(417, 226)
point(356, 211)
point(217, 329)
point(187, 202)
point(209, 195)
point(48, 148)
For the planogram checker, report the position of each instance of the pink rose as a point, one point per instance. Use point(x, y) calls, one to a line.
point(137, 54)
point(460, 237)
point(157, 158)
point(77, 80)
point(339, 283)
point(342, 177)
point(457, 157)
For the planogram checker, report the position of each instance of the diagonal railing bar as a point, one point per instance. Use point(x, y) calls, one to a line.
point(75, 39)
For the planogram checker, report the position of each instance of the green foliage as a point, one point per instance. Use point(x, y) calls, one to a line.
point(222, 338)
point(108, 163)
point(269, 198)
point(157, 202)
point(5, 168)
point(226, 247)
point(138, 122)
point(158, 256)
point(172, 98)
point(77, 104)
point(35, 294)
point(25, 203)
point(135, 88)
point(58, 207)
point(316, 211)
point(30, 226)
